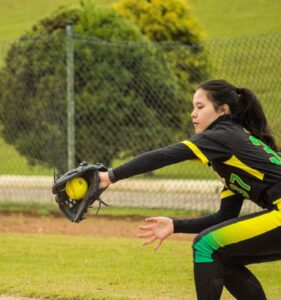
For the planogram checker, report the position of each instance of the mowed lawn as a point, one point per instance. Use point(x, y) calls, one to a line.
point(17, 17)
point(13, 163)
point(219, 19)
point(68, 267)
point(232, 19)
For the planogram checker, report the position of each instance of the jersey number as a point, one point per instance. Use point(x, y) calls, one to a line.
point(276, 159)
point(242, 185)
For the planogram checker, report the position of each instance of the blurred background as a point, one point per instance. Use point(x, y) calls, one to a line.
point(103, 81)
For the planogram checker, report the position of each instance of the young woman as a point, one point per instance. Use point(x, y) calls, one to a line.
point(233, 137)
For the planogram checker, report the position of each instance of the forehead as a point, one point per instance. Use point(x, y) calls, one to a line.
point(201, 96)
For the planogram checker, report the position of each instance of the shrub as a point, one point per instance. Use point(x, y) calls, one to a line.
point(171, 21)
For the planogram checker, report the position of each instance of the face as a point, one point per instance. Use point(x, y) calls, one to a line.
point(204, 112)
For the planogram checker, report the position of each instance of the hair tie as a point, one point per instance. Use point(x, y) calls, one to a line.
point(239, 91)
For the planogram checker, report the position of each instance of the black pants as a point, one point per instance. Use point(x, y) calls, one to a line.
point(222, 251)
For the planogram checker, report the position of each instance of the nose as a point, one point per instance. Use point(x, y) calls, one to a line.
point(193, 114)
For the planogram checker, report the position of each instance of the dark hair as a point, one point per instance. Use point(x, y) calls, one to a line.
point(243, 105)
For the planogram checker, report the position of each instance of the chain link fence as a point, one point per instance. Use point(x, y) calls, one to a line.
point(69, 98)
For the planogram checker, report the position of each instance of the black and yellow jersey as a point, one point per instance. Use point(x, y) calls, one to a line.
point(248, 168)
point(245, 164)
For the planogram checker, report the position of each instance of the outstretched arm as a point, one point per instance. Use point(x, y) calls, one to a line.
point(147, 162)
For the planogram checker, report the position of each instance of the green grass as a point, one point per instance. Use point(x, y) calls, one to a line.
point(32, 207)
point(219, 18)
point(229, 19)
point(50, 208)
point(67, 267)
point(17, 17)
point(251, 63)
point(70, 267)
point(15, 164)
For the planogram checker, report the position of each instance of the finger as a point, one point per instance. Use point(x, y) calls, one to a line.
point(149, 241)
point(144, 235)
point(151, 220)
point(158, 245)
point(146, 227)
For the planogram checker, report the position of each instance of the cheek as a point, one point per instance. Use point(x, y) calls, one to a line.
point(211, 115)
point(207, 119)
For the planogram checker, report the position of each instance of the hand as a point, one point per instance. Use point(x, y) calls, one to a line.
point(104, 180)
point(159, 229)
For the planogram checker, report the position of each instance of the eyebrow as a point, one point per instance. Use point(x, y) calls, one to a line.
point(198, 102)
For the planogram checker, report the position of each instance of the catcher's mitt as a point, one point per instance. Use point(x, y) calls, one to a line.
point(76, 211)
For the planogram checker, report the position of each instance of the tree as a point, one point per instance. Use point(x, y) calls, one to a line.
point(128, 99)
point(171, 21)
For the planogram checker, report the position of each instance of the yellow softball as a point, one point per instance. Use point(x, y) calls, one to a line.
point(76, 188)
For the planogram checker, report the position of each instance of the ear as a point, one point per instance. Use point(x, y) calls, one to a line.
point(224, 109)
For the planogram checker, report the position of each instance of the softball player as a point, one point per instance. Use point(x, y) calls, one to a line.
point(232, 137)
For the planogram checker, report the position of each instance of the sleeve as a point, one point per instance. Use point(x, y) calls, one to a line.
point(210, 145)
point(152, 160)
point(230, 208)
point(206, 147)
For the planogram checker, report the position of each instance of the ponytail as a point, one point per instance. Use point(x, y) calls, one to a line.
point(253, 118)
point(244, 106)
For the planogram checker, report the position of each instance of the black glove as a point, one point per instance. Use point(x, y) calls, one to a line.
point(73, 210)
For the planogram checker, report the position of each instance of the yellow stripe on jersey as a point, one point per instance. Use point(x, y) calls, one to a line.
point(235, 162)
point(226, 194)
point(196, 151)
point(278, 203)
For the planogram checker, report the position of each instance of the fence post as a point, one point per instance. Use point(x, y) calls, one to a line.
point(70, 99)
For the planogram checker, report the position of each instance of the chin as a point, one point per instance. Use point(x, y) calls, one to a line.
point(198, 130)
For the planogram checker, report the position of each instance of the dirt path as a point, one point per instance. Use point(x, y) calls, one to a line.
point(93, 225)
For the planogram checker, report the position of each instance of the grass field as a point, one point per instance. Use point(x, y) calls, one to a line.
point(65, 267)
point(17, 17)
point(89, 267)
point(15, 164)
point(68, 267)
point(49, 209)
point(219, 19)
point(229, 19)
